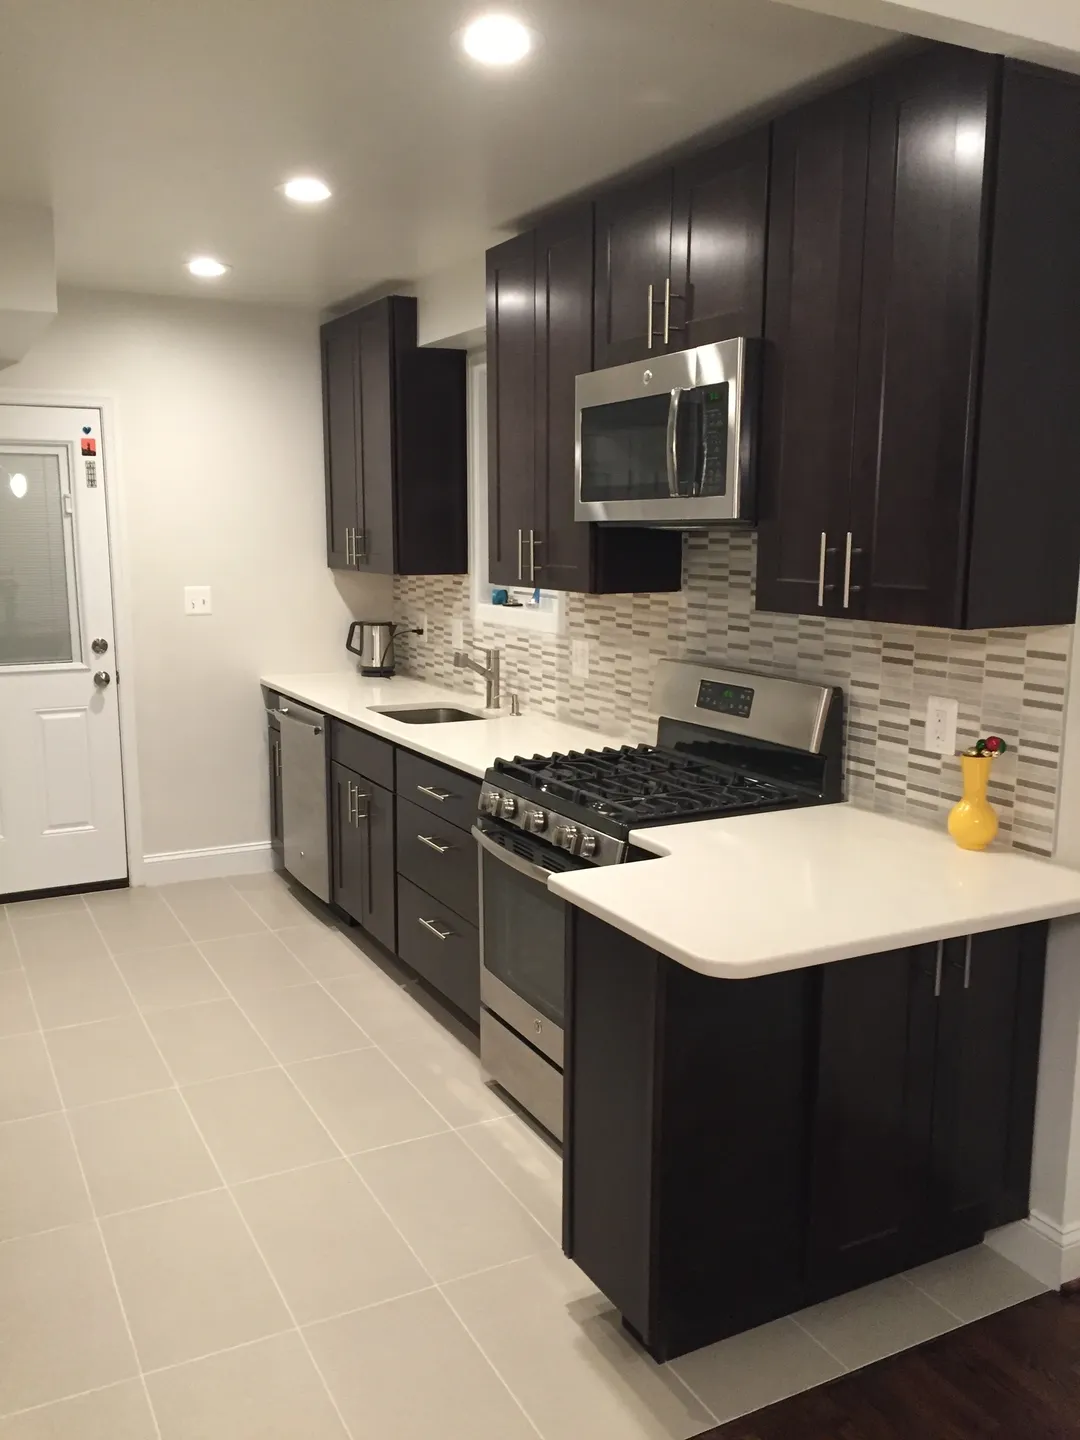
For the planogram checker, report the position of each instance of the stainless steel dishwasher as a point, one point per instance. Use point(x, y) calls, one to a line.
point(303, 796)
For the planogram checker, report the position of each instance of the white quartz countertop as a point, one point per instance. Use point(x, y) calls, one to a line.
point(468, 745)
point(755, 894)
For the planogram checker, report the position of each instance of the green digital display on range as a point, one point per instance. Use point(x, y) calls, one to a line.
point(725, 699)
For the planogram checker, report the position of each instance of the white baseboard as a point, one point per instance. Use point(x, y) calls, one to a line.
point(209, 864)
point(1047, 1251)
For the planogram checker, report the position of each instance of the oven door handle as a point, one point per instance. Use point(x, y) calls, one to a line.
point(673, 443)
point(525, 867)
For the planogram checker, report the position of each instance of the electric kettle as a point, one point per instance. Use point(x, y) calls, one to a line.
point(375, 646)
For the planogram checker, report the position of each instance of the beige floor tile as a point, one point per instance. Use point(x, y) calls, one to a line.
point(78, 989)
point(450, 1207)
point(40, 1183)
point(119, 1413)
point(9, 956)
point(529, 1166)
point(975, 1283)
point(302, 1023)
point(363, 1101)
point(327, 1242)
point(207, 1041)
point(106, 1060)
point(267, 1391)
point(561, 1349)
point(330, 953)
point(407, 1370)
point(257, 1124)
point(26, 1079)
point(447, 1073)
point(17, 1013)
point(248, 964)
point(135, 920)
point(69, 935)
point(210, 909)
point(20, 911)
point(279, 907)
point(876, 1321)
point(755, 1369)
point(61, 1328)
point(391, 1014)
point(168, 978)
point(141, 1151)
point(191, 1279)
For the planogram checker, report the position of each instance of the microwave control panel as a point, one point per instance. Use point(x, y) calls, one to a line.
point(714, 437)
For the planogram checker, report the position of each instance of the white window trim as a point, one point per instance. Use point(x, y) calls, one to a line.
point(550, 617)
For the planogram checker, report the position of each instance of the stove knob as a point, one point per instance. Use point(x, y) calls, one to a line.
point(489, 802)
point(508, 807)
point(587, 848)
point(565, 837)
point(536, 821)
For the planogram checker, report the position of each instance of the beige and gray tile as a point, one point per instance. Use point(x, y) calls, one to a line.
point(119, 1413)
point(41, 1186)
point(407, 1370)
point(167, 978)
point(19, 911)
point(68, 935)
point(207, 1041)
point(449, 1206)
point(328, 1244)
point(17, 1013)
point(756, 1369)
point(527, 1164)
point(302, 1023)
point(248, 964)
point(9, 955)
point(134, 920)
point(266, 1391)
point(561, 1349)
point(280, 908)
point(27, 1086)
point(325, 951)
point(210, 909)
point(106, 1060)
point(257, 1124)
point(975, 1283)
point(878, 1320)
point(76, 989)
point(447, 1072)
point(191, 1279)
point(141, 1151)
point(388, 1012)
point(363, 1101)
point(61, 1327)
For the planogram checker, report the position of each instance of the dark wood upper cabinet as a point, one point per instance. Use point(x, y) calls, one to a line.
point(394, 423)
point(633, 267)
point(511, 406)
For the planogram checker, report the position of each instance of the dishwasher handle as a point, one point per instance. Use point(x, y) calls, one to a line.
point(281, 713)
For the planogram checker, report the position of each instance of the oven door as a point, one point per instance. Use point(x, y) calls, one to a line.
point(667, 442)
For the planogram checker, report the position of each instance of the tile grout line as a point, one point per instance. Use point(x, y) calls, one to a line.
point(90, 1201)
point(845, 1369)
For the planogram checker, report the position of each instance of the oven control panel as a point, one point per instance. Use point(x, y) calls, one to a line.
point(549, 828)
point(725, 699)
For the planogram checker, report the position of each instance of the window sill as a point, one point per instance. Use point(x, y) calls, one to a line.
point(549, 620)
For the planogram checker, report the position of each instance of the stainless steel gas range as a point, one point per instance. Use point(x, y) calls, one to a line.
point(728, 743)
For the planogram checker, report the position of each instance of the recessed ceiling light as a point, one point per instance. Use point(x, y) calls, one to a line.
point(496, 40)
point(18, 485)
point(306, 190)
point(206, 267)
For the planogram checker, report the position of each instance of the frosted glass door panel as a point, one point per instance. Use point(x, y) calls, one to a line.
point(38, 614)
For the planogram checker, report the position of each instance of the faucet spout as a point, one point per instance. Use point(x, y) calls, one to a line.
point(489, 672)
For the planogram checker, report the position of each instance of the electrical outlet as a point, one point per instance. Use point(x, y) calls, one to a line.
point(579, 659)
point(197, 600)
point(421, 625)
point(457, 634)
point(941, 719)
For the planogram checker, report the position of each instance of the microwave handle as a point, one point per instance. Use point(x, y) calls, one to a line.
point(673, 443)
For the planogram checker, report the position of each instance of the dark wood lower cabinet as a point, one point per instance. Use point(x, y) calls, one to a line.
point(362, 832)
point(737, 1149)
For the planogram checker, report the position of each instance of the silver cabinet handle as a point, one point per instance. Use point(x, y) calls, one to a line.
point(967, 964)
point(667, 309)
point(651, 302)
point(433, 844)
point(937, 968)
point(849, 551)
point(520, 545)
point(359, 542)
point(365, 813)
point(439, 795)
point(430, 925)
point(533, 542)
point(821, 570)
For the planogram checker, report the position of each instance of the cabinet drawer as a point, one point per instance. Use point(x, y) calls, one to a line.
point(438, 943)
point(366, 754)
point(446, 793)
point(438, 857)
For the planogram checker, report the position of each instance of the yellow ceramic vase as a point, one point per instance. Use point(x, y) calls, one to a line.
point(973, 822)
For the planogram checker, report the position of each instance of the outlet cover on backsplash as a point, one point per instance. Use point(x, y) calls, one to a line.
point(579, 659)
point(1007, 682)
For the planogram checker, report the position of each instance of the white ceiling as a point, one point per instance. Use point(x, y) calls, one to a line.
point(158, 129)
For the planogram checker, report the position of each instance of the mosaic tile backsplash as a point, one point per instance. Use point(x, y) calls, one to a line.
point(1008, 682)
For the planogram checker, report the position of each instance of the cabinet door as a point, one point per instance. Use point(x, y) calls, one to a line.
point(277, 823)
point(362, 834)
point(633, 263)
point(922, 301)
point(871, 1129)
point(718, 242)
point(984, 1096)
point(341, 436)
point(347, 843)
point(375, 550)
point(511, 381)
point(817, 204)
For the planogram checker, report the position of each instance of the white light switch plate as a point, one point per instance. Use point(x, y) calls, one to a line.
point(457, 634)
point(579, 659)
point(197, 600)
point(941, 718)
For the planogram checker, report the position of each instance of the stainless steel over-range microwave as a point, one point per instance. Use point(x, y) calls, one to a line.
point(670, 440)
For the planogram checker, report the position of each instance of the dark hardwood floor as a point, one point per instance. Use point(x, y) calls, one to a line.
point(1012, 1376)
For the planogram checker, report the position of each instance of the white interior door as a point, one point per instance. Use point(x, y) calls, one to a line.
point(61, 786)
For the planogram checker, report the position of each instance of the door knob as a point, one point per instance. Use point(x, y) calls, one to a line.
point(101, 678)
point(99, 646)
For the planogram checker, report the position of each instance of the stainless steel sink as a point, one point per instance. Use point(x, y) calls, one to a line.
point(427, 714)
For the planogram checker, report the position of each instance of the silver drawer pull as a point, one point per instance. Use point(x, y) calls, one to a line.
point(439, 795)
point(430, 925)
point(433, 844)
